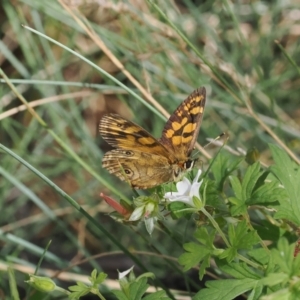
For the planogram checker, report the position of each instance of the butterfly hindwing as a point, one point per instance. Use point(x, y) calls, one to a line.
point(140, 169)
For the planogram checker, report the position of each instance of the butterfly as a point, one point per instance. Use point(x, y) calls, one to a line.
point(144, 161)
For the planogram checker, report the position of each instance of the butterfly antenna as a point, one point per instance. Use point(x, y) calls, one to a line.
point(215, 139)
point(210, 142)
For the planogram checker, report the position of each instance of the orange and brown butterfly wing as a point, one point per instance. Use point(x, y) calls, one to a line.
point(140, 169)
point(181, 130)
point(139, 159)
point(124, 134)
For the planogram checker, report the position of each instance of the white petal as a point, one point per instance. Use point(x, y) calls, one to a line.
point(180, 198)
point(197, 176)
point(137, 213)
point(195, 189)
point(123, 274)
point(170, 195)
point(149, 223)
point(183, 186)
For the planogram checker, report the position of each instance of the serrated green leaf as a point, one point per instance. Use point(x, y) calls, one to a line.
point(159, 295)
point(238, 206)
point(78, 290)
point(204, 237)
point(146, 275)
point(261, 180)
point(249, 181)
point(93, 275)
point(137, 289)
point(222, 166)
point(231, 233)
point(239, 271)
point(13, 284)
point(288, 173)
point(268, 193)
point(248, 240)
point(212, 194)
point(260, 255)
point(240, 238)
point(226, 289)
point(275, 278)
point(283, 256)
point(120, 295)
point(195, 253)
point(283, 294)
point(244, 239)
point(296, 266)
point(100, 278)
point(229, 254)
point(204, 264)
point(236, 186)
point(255, 293)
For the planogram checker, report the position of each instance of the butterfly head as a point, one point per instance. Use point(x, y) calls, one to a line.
point(180, 169)
point(189, 165)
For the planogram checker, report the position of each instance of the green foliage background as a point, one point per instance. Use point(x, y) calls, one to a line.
point(245, 53)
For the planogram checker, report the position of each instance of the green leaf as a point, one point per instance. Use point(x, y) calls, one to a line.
point(238, 203)
point(138, 289)
point(244, 239)
point(268, 193)
point(225, 289)
point(239, 271)
point(283, 294)
point(275, 278)
point(198, 252)
point(283, 256)
point(204, 237)
point(296, 265)
point(236, 186)
point(146, 275)
point(251, 177)
point(255, 293)
point(120, 295)
point(229, 254)
point(79, 290)
point(253, 190)
point(135, 290)
point(96, 279)
point(204, 264)
point(240, 238)
point(222, 166)
point(260, 255)
point(13, 284)
point(178, 210)
point(93, 275)
point(212, 195)
point(288, 173)
point(195, 253)
point(238, 208)
point(159, 295)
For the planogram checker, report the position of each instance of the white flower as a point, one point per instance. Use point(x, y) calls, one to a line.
point(186, 191)
point(125, 273)
point(146, 210)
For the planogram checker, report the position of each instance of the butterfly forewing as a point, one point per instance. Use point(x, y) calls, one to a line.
point(181, 130)
point(124, 134)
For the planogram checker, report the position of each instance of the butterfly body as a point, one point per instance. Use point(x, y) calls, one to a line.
point(144, 161)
